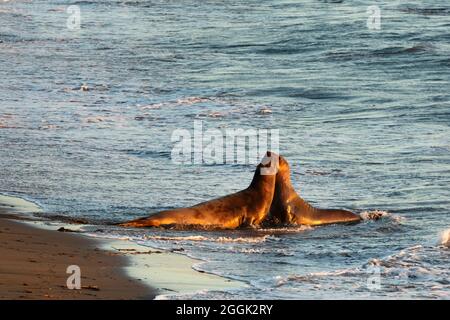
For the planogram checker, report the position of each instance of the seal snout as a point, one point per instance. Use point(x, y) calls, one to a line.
point(269, 163)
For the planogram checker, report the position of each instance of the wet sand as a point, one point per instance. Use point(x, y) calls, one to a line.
point(34, 262)
point(35, 257)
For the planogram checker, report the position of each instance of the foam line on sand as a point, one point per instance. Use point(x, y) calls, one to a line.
point(163, 273)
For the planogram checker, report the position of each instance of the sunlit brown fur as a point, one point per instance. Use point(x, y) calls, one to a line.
point(246, 208)
point(289, 208)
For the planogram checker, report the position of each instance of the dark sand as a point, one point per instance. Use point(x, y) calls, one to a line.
point(34, 262)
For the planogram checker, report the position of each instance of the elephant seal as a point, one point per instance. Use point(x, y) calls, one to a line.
point(246, 208)
point(289, 208)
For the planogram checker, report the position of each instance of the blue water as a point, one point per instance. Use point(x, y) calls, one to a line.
point(363, 118)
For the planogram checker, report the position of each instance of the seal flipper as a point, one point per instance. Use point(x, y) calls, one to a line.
point(288, 207)
point(141, 222)
point(328, 216)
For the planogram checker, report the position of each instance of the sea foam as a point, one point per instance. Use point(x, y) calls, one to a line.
point(444, 238)
point(380, 214)
point(214, 239)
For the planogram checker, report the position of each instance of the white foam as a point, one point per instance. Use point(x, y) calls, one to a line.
point(211, 114)
point(192, 100)
point(380, 214)
point(282, 252)
point(406, 262)
point(19, 204)
point(281, 281)
point(444, 238)
point(265, 110)
point(212, 239)
point(287, 229)
point(151, 106)
point(175, 103)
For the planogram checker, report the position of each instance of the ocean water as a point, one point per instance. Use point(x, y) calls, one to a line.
point(363, 118)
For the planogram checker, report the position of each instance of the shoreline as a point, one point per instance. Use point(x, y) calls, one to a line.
point(35, 257)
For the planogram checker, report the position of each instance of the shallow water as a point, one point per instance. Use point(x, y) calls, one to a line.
point(363, 118)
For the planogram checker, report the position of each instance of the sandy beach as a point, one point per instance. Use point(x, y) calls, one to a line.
point(35, 257)
point(34, 263)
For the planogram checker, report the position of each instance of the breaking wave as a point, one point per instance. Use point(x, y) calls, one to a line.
point(287, 229)
point(419, 267)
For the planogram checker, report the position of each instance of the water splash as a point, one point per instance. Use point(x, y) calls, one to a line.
point(214, 239)
point(444, 238)
point(380, 214)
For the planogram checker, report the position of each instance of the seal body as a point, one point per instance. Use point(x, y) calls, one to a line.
point(289, 208)
point(246, 208)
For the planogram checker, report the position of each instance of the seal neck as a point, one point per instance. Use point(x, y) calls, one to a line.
point(259, 180)
point(286, 193)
